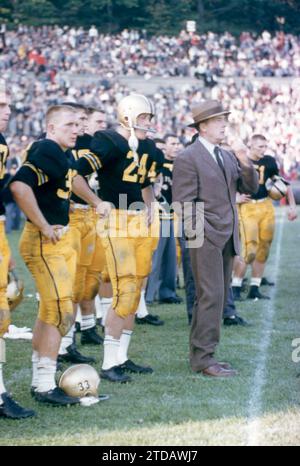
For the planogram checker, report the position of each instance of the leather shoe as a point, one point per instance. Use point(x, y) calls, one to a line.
point(130, 366)
point(149, 319)
point(235, 320)
point(74, 356)
point(10, 409)
point(171, 300)
point(91, 337)
point(254, 293)
point(266, 282)
point(216, 370)
point(115, 374)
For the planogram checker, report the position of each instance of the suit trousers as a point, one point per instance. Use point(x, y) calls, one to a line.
point(212, 268)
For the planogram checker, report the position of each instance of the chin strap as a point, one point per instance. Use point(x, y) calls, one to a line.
point(133, 143)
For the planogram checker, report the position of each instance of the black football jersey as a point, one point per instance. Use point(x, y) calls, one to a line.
point(266, 167)
point(4, 152)
point(82, 148)
point(166, 190)
point(49, 171)
point(118, 173)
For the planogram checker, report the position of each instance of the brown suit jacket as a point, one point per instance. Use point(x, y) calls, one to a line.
point(197, 177)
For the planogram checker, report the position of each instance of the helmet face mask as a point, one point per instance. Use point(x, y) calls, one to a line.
point(131, 107)
point(80, 380)
point(277, 187)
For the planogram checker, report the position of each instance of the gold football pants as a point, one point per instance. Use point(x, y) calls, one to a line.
point(128, 243)
point(4, 262)
point(257, 224)
point(83, 239)
point(53, 268)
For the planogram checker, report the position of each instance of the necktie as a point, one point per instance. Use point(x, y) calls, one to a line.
point(217, 153)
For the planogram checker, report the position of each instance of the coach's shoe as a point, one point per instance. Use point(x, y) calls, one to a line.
point(74, 356)
point(254, 293)
point(12, 410)
point(91, 337)
point(56, 397)
point(236, 292)
point(130, 366)
point(218, 370)
point(265, 282)
point(235, 320)
point(115, 374)
point(149, 319)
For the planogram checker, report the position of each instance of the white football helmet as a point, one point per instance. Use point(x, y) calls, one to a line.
point(276, 187)
point(80, 380)
point(130, 107)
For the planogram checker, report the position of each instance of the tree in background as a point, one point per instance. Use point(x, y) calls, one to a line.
point(157, 16)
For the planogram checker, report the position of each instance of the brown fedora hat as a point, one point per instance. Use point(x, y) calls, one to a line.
point(205, 110)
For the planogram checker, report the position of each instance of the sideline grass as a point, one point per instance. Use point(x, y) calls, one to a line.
point(174, 406)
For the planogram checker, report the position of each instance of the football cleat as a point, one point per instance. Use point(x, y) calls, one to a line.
point(115, 374)
point(55, 397)
point(12, 410)
point(130, 366)
point(254, 293)
point(74, 356)
point(91, 337)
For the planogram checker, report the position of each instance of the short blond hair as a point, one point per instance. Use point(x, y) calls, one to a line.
point(55, 110)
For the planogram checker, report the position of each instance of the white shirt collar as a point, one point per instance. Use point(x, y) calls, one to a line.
point(208, 145)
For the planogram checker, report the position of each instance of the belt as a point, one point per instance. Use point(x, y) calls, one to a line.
point(2, 218)
point(80, 206)
point(258, 200)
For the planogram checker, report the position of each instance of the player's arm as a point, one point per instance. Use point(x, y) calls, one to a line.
point(292, 212)
point(82, 190)
point(26, 200)
point(149, 200)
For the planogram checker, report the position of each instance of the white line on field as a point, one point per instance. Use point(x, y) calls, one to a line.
point(259, 379)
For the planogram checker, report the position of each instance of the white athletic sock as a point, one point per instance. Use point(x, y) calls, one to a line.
point(78, 316)
point(88, 322)
point(98, 307)
point(255, 281)
point(142, 308)
point(111, 350)
point(66, 341)
point(105, 303)
point(2, 387)
point(124, 344)
point(236, 281)
point(46, 369)
point(34, 360)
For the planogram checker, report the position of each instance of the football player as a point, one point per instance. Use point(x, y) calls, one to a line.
point(257, 221)
point(8, 407)
point(42, 189)
point(83, 239)
point(128, 161)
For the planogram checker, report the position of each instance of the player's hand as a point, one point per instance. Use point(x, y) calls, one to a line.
point(292, 213)
point(243, 198)
point(103, 209)
point(52, 233)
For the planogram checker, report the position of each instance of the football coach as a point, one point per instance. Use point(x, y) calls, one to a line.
point(205, 174)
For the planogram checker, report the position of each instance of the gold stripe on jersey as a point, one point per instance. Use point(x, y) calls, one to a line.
point(92, 160)
point(42, 177)
point(25, 152)
point(3, 157)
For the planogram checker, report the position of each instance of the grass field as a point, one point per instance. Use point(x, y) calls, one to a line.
point(174, 406)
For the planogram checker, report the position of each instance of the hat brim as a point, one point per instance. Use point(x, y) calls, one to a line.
point(195, 124)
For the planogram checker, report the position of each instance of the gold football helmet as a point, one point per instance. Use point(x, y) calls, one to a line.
point(80, 380)
point(130, 107)
point(14, 290)
point(276, 187)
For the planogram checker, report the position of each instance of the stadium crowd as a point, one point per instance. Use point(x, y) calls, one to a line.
point(133, 53)
point(33, 67)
